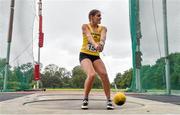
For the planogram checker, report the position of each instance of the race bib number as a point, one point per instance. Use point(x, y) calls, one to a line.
point(91, 48)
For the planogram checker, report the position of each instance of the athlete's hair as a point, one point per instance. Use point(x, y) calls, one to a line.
point(93, 13)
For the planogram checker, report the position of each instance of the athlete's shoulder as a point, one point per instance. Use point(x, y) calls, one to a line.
point(85, 26)
point(102, 27)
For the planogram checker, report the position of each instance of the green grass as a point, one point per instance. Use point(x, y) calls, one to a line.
point(63, 89)
point(79, 89)
point(71, 89)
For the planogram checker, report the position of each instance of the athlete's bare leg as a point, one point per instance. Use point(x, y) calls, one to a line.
point(87, 66)
point(101, 70)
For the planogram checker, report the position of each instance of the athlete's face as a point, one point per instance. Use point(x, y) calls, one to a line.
point(97, 18)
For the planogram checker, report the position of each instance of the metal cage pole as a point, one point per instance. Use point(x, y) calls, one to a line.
point(9, 43)
point(167, 66)
point(41, 37)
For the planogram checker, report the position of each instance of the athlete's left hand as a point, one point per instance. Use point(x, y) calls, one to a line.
point(101, 47)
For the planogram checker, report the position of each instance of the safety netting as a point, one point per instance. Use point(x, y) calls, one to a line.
point(155, 26)
point(20, 69)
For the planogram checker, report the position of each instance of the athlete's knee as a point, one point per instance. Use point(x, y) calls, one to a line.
point(103, 74)
point(104, 77)
point(92, 75)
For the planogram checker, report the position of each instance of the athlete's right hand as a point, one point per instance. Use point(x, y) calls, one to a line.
point(98, 47)
point(101, 47)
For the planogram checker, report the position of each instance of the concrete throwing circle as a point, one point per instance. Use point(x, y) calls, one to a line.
point(75, 104)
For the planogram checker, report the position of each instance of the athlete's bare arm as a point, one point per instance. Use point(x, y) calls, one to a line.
point(103, 38)
point(87, 32)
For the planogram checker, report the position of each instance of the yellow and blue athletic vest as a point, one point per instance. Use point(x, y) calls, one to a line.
point(87, 47)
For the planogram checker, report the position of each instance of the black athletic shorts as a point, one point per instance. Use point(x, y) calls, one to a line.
point(84, 55)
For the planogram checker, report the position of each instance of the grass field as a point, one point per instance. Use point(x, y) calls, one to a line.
point(77, 89)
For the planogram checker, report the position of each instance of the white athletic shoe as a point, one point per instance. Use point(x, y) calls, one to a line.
point(109, 105)
point(85, 104)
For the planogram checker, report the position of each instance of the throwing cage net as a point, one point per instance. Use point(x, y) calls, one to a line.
point(155, 45)
point(20, 70)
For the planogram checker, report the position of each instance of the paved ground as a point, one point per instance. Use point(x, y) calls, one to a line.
point(12, 95)
point(161, 98)
point(68, 102)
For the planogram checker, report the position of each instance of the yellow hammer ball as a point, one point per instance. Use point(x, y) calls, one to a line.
point(119, 98)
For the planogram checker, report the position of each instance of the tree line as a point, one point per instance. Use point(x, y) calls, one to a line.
point(58, 77)
point(153, 76)
point(52, 76)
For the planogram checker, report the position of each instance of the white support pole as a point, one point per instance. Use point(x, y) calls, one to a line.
point(168, 87)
